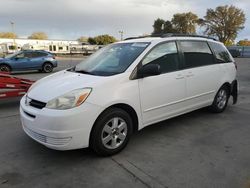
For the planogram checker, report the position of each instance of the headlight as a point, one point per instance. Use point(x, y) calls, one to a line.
point(69, 100)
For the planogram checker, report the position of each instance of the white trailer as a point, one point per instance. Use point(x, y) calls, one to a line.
point(9, 48)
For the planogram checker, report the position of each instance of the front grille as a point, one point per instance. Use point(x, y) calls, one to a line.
point(37, 104)
point(46, 139)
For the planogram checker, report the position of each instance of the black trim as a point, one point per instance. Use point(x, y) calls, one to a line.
point(234, 91)
point(37, 104)
point(30, 115)
point(172, 35)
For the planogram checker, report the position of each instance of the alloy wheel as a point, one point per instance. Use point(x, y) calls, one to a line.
point(114, 133)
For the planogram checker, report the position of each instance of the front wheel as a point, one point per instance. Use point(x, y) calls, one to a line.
point(111, 132)
point(4, 68)
point(220, 100)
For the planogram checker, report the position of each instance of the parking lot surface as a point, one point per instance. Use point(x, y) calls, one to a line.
point(199, 149)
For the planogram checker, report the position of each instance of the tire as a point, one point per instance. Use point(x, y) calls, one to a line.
point(106, 137)
point(47, 67)
point(5, 68)
point(220, 100)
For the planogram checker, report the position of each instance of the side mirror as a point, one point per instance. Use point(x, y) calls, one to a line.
point(149, 70)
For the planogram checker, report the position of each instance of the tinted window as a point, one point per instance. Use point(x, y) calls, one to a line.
point(28, 54)
point(221, 53)
point(20, 55)
point(39, 54)
point(196, 53)
point(24, 55)
point(165, 55)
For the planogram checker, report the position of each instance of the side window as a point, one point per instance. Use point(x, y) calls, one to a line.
point(20, 55)
point(165, 55)
point(39, 54)
point(28, 54)
point(221, 53)
point(196, 53)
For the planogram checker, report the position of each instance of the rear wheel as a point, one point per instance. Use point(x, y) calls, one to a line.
point(4, 68)
point(47, 67)
point(220, 100)
point(111, 132)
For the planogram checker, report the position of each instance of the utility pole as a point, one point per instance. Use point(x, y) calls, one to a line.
point(162, 28)
point(121, 33)
point(13, 31)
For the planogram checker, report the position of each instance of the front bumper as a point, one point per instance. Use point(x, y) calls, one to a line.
point(59, 129)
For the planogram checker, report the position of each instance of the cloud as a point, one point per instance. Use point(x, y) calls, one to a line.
point(71, 19)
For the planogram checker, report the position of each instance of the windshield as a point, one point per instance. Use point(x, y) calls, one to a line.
point(12, 55)
point(112, 59)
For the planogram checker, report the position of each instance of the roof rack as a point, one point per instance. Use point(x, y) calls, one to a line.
point(173, 35)
point(186, 35)
point(131, 38)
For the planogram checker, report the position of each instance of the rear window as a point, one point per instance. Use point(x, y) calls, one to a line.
point(221, 53)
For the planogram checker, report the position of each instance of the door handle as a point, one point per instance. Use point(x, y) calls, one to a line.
point(179, 76)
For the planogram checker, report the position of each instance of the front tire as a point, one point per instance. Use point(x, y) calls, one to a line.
point(5, 68)
point(111, 132)
point(47, 67)
point(220, 100)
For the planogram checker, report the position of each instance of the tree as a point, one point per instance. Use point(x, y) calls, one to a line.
point(168, 27)
point(244, 42)
point(185, 22)
point(82, 39)
point(158, 26)
point(38, 35)
point(8, 35)
point(91, 40)
point(225, 22)
point(102, 40)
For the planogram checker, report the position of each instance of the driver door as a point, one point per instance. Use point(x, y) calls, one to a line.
point(21, 61)
point(162, 96)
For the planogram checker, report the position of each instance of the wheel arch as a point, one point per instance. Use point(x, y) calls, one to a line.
point(228, 85)
point(127, 108)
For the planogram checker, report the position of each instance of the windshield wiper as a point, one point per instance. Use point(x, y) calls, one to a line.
point(84, 72)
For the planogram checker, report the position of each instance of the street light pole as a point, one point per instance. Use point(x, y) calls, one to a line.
point(14, 40)
point(121, 33)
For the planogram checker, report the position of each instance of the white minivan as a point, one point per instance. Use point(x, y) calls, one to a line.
point(125, 87)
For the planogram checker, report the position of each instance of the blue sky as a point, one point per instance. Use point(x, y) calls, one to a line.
point(70, 19)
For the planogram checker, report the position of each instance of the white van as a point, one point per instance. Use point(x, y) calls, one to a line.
point(125, 87)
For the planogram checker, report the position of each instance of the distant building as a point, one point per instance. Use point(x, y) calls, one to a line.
point(57, 46)
point(7, 46)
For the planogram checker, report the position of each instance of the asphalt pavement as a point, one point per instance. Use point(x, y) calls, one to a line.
point(196, 150)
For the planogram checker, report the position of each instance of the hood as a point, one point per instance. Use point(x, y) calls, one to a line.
point(61, 83)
